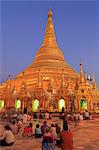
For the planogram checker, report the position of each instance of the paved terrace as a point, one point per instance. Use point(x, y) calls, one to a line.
point(86, 137)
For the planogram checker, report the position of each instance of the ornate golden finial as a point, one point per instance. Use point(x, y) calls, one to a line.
point(81, 73)
point(50, 14)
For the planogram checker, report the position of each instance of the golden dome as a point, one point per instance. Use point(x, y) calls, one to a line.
point(49, 55)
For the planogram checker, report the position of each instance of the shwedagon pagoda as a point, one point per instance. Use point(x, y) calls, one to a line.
point(49, 83)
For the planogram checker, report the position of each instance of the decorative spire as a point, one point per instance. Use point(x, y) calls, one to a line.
point(81, 73)
point(85, 77)
point(49, 38)
point(94, 81)
point(77, 85)
point(93, 78)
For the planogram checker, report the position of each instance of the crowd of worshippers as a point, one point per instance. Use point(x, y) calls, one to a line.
point(52, 135)
point(48, 115)
point(70, 115)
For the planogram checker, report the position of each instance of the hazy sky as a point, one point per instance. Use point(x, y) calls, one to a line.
point(23, 27)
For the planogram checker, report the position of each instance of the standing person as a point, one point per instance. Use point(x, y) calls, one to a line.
point(63, 109)
point(65, 123)
point(7, 138)
point(66, 138)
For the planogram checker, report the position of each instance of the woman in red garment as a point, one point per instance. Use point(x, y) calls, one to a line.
point(67, 138)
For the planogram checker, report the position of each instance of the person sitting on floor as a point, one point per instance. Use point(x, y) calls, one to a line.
point(19, 125)
point(38, 132)
point(43, 127)
point(14, 127)
point(48, 142)
point(28, 131)
point(58, 129)
point(53, 131)
point(7, 138)
point(35, 116)
point(86, 115)
point(40, 116)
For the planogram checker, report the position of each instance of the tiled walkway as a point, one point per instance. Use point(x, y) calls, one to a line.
point(86, 137)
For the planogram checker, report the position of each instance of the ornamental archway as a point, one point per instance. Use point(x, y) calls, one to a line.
point(83, 104)
point(1, 104)
point(35, 105)
point(18, 104)
point(61, 104)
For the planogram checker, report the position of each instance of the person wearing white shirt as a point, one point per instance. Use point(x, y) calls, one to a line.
point(86, 115)
point(7, 138)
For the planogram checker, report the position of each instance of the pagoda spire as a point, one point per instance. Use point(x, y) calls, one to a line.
point(49, 38)
point(94, 81)
point(81, 73)
point(85, 77)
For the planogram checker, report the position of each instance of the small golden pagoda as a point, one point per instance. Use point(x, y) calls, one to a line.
point(49, 83)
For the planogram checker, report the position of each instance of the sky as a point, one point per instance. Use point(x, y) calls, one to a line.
point(22, 29)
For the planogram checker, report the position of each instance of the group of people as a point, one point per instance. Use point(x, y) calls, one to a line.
point(52, 135)
point(77, 115)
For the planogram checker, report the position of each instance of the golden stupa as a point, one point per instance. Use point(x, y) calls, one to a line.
point(49, 83)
